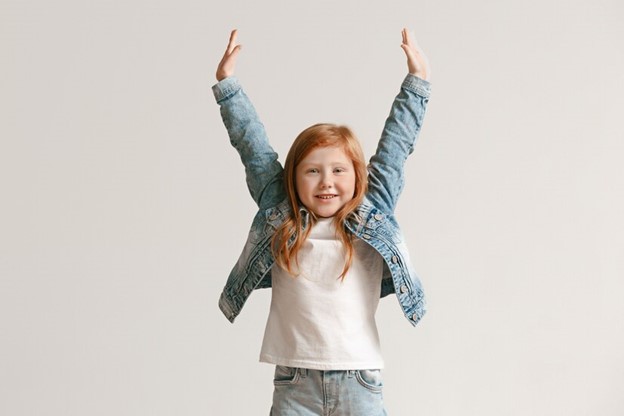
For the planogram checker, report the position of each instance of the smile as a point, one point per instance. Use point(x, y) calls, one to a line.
point(326, 196)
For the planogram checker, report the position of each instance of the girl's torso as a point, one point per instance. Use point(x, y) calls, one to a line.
point(318, 320)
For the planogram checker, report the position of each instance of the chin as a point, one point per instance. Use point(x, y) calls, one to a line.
point(325, 213)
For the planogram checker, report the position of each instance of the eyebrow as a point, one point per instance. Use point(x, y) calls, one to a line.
point(323, 163)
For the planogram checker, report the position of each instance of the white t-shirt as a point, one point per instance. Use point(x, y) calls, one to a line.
point(318, 321)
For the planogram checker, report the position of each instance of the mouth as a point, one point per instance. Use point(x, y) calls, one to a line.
point(326, 196)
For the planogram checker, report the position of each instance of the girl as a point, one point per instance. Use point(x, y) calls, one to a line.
point(326, 240)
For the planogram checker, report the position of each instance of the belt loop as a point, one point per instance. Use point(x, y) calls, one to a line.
point(350, 373)
point(303, 372)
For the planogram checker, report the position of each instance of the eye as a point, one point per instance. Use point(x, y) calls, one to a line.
point(339, 170)
point(312, 170)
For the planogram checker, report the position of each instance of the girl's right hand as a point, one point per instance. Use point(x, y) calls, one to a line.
point(228, 62)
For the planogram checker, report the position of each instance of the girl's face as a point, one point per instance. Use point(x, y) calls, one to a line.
point(325, 180)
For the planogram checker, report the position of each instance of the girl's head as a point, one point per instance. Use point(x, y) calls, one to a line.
point(325, 171)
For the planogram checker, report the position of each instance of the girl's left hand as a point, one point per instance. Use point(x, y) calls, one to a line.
point(417, 62)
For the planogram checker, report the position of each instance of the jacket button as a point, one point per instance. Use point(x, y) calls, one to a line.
point(273, 217)
point(378, 217)
point(395, 259)
point(366, 236)
point(414, 317)
point(404, 289)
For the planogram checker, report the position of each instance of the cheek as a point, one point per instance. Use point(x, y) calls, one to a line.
point(349, 184)
point(301, 186)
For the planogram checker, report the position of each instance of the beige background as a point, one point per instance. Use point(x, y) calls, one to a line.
point(123, 206)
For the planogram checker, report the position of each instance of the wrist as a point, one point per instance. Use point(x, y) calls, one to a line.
point(421, 75)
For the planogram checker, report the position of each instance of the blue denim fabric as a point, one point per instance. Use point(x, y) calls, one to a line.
point(374, 220)
point(305, 392)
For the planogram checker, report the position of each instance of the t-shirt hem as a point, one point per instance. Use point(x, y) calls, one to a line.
point(318, 365)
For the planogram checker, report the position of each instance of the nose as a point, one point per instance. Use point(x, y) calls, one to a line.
point(326, 182)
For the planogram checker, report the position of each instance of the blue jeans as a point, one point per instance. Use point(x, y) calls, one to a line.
point(305, 392)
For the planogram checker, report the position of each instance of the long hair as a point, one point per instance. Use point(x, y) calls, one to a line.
point(291, 235)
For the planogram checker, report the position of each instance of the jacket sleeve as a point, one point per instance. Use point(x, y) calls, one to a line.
point(386, 178)
point(247, 134)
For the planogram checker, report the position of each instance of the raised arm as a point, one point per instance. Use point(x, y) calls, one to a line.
point(386, 178)
point(247, 134)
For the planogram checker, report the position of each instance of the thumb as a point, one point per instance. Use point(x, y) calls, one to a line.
point(237, 50)
point(408, 52)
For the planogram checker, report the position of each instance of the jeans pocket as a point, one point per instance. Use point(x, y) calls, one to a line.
point(285, 375)
point(370, 379)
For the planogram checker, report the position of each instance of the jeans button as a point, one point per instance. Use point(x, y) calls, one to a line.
point(404, 289)
point(378, 217)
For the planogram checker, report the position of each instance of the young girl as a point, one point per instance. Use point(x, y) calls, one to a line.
point(326, 240)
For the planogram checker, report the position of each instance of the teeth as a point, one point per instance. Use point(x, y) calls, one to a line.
point(326, 197)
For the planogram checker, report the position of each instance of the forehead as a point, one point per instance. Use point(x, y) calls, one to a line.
point(326, 154)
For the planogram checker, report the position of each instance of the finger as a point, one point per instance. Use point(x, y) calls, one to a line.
point(235, 51)
point(408, 38)
point(404, 36)
point(230, 59)
point(411, 40)
point(408, 52)
point(228, 49)
point(232, 42)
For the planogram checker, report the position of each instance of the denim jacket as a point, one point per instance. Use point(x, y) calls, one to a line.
point(374, 221)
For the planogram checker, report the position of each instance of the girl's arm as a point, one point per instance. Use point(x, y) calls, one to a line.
point(247, 133)
point(385, 180)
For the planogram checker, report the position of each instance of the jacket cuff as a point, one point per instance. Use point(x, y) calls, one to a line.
point(417, 85)
point(225, 88)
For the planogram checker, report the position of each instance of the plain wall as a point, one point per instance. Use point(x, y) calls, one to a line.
point(123, 206)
